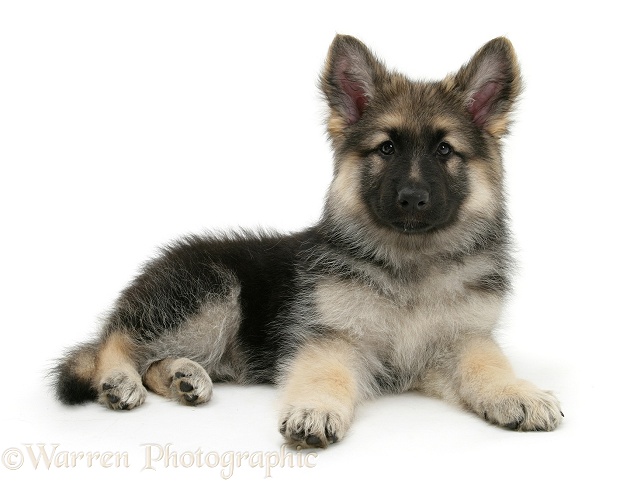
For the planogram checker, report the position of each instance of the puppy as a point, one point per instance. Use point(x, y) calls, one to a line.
point(399, 286)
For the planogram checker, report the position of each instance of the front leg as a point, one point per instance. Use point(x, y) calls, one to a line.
point(320, 392)
point(485, 382)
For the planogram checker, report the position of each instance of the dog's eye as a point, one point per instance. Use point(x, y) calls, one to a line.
point(387, 148)
point(444, 149)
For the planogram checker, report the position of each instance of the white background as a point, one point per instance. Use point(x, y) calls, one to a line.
point(126, 124)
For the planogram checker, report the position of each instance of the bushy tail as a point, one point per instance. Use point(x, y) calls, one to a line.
point(73, 377)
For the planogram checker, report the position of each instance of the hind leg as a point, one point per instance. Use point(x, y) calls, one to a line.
point(179, 379)
point(118, 383)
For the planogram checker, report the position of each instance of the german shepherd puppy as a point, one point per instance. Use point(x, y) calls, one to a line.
point(398, 287)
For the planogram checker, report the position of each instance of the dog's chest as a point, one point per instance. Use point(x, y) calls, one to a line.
point(404, 320)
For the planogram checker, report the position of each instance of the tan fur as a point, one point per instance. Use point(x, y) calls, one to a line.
point(159, 377)
point(453, 137)
point(414, 172)
point(117, 380)
point(341, 188)
point(488, 386)
point(433, 309)
point(498, 127)
point(320, 392)
point(448, 84)
point(375, 139)
point(482, 365)
point(482, 198)
point(392, 120)
point(85, 365)
point(453, 165)
point(166, 377)
point(115, 354)
point(335, 126)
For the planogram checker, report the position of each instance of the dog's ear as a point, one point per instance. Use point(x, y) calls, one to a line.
point(490, 83)
point(348, 81)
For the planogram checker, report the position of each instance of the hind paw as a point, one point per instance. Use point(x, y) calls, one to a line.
point(190, 384)
point(121, 391)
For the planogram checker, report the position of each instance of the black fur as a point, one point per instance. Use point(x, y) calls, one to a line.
point(71, 389)
point(173, 287)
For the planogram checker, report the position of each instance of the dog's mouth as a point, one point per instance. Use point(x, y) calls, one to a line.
point(412, 227)
point(410, 223)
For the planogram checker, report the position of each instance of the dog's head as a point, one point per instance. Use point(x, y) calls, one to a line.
point(417, 158)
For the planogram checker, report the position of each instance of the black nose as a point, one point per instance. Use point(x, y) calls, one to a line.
point(413, 198)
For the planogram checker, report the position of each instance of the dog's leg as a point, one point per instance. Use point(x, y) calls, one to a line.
point(484, 381)
point(118, 383)
point(180, 379)
point(320, 392)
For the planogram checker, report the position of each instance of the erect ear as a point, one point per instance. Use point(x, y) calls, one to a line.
point(490, 83)
point(349, 78)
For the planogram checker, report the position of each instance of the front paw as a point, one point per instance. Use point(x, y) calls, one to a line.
point(313, 428)
point(521, 407)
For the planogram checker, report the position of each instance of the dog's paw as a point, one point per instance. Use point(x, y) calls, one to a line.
point(120, 390)
point(190, 384)
point(313, 428)
point(522, 407)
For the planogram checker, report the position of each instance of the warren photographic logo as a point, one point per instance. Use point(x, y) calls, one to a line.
point(156, 457)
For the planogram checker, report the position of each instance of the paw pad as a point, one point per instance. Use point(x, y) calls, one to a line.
point(313, 428)
point(122, 391)
point(191, 385)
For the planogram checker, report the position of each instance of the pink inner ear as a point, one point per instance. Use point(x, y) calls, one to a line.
point(355, 98)
point(482, 102)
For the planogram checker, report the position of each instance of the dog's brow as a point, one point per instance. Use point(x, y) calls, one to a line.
point(378, 138)
point(392, 122)
point(444, 124)
point(448, 130)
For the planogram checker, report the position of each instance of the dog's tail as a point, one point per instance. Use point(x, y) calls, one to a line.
point(74, 374)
